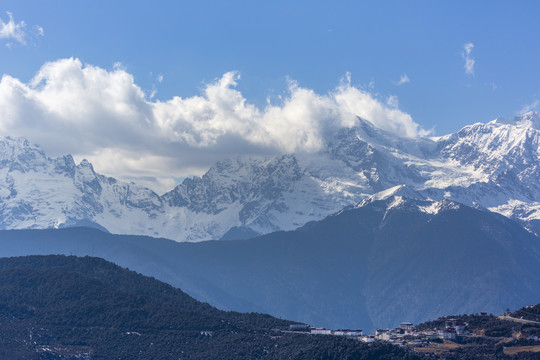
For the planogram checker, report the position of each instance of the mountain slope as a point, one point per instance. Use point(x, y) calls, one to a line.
point(390, 259)
point(58, 307)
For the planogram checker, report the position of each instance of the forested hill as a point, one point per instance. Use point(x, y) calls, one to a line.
point(63, 307)
point(117, 280)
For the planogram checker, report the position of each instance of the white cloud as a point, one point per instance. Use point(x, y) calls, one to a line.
point(469, 60)
point(104, 116)
point(154, 91)
point(16, 31)
point(529, 107)
point(12, 30)
point(403, 80)
point(39, 30)
point(392, 101)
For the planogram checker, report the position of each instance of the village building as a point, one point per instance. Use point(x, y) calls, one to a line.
point(321, 331)
point(342, 332)
point(368, 338)
point(458, 325)
point(406, 326)
point(448, 334)
point(298, 327)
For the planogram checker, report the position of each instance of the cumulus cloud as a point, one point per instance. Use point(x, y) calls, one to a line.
point(17, 31)
point(102, 115)
point(403, 80)
point(469, 60)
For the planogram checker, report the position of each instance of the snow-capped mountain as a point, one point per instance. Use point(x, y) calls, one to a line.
point(493, 166)
point(40, 192)
point(504, 155)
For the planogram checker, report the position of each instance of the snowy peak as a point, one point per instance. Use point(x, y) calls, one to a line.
point(10, 147)
point(381, 158)
point(366, 136)
point(529, 119)
point(235, 180)
point(403, 197)
point(65, 165)
point(40, 192)
point(401, 191)
point(19, 154)
point(499, 148)
point(437, 206)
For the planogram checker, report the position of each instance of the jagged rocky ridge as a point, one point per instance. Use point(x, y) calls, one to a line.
point(493, 166)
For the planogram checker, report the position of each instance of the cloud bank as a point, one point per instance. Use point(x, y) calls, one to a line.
point(102, 115)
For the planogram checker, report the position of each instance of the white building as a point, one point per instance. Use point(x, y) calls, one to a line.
point(458, 325)
point(347, 332)
point(449, 334)
point(406, 326)
point(368, 338)
point(321, 331)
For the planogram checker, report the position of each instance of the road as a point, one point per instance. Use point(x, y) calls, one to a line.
point(523, 321)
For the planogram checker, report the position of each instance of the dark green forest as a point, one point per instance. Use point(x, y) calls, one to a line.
point(63, 307)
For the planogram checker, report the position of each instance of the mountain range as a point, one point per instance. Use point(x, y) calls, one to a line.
point(390, 258)
point(492, 166)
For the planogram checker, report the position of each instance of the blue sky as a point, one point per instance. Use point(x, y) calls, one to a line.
point(179, 48)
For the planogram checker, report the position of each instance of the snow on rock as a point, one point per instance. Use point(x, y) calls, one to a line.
point(436, 206)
